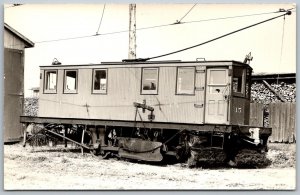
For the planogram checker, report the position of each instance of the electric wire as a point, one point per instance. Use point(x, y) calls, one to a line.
point(281, 47)
point(152, 27)
point(101, 19)
point(214, 39)
point(187, 13)
point(231, 17)
point(65, 39)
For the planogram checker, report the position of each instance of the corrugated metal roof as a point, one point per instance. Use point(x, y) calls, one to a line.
point(25, 39)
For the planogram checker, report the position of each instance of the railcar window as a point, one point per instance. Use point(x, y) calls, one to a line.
point(100, 81)
point(185, 80)
point(149, 80)
point(238, 81)
point(50, 81)
point(70, 81)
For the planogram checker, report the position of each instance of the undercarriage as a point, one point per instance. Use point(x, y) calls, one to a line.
point(198, 145)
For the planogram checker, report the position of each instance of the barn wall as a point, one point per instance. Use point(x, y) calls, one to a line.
point(124, 89)
point(13, 93)
point(12, 42)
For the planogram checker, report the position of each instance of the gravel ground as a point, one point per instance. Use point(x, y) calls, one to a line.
point(59, 168)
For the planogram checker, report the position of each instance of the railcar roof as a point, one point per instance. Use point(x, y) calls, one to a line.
point(157, 63)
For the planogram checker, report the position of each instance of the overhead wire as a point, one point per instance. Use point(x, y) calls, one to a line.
point(187, 13)
point(281, 47)
point(156, 26)
point(65, 39)
point(101, 19)
point(229, 17)
point(214, 39)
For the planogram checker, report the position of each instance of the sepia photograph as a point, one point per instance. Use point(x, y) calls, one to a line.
point(149, 96)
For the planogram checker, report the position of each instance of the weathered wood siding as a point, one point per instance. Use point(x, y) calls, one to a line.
point(13, 93)
point(257, 114)
point(12, 42)
point(283, 122)
point(123, 88)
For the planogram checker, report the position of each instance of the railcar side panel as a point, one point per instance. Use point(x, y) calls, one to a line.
point(123, 89)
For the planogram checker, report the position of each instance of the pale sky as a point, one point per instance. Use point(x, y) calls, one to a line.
point(43, 22)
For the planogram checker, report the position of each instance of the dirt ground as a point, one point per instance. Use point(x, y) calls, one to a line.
point(59, 168)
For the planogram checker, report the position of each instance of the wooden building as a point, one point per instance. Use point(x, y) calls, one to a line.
point(14, 47)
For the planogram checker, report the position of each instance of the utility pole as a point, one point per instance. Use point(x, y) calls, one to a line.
point(132, 32)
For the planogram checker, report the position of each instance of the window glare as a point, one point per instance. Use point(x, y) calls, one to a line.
point(185, 80)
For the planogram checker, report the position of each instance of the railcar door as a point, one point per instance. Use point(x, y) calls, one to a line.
point(217, 90)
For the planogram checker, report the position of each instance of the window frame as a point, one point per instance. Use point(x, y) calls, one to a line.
point(49, 91)
point(243, 84)
point(93, 79)
point(148, 92)
point(194, 81)
point(66, 91)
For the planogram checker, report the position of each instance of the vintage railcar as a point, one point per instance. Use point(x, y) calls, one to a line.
point(153, 109)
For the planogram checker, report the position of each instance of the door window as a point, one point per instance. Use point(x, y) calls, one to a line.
point(238, 81)
point(217, 77)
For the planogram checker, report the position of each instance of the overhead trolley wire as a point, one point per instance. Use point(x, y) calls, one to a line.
point(282, 38)
point(101, 19)
point(214, 39)
point(65, 39)
point(281, 47)
point(229, 17)
point(186, 13)
point(152, 27)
